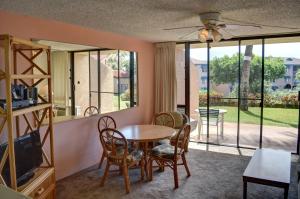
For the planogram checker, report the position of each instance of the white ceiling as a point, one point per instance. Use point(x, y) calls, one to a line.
point(146, 19)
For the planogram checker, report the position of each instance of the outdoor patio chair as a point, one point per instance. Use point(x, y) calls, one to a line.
point(213, 120)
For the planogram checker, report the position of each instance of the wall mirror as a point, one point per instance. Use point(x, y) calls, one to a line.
point(89, 80)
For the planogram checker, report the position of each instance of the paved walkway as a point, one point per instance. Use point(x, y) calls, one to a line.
point(273, 136)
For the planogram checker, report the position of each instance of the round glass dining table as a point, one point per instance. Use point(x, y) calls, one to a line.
point(145, 134)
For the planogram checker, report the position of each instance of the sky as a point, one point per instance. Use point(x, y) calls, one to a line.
point(276, 50)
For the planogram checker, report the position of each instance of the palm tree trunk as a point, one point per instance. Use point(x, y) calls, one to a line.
point(245, 77)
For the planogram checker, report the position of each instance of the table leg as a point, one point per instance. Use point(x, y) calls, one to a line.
point(286, 192)
point(245, 190)
point(146, 159)
point(222, 124)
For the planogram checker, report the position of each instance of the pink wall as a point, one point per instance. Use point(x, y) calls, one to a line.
point(76, 142)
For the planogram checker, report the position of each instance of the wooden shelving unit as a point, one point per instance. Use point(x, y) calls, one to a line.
point(42, 185)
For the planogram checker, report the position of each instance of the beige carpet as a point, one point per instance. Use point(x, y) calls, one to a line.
point(214, 176)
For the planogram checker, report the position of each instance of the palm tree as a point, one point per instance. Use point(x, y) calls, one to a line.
point(245, 76)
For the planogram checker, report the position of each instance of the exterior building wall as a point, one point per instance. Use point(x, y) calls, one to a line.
point(81, 81)
point(292, 66)
point(194, 82)
point(195, 86)
point(180, 76)
point(107, 99)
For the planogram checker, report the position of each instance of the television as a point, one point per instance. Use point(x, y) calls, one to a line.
point(28, 156)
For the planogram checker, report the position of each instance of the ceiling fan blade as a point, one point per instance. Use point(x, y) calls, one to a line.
point(224, 23)
point(243, 25)
point(261, 25)
point(186, 36)
point(225, 34)
point(187, 27)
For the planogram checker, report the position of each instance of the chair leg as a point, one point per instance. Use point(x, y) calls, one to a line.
point(199, 130)
point(185, 165)
point(126, 178)
point(142, 164)
point(175, 175)
point(105, 174)
point(120, 170)
point(162, 166)
point(186, 147)
point(101, 161)
point(150, 169)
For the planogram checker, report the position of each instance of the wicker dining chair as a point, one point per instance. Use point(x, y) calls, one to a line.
point(105, 122)
point(180, 119)
point(118, 154)
point(164, 119)
point(169, 155)
point(91, 110)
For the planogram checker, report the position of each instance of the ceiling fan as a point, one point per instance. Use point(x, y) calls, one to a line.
point(215, 29)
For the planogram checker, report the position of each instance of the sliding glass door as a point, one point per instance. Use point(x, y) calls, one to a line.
point(244, 92)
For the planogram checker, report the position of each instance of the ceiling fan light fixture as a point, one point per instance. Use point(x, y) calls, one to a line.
point(203, 35)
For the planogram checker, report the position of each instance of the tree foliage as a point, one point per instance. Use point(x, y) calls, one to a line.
point(225, 70)
point(298, 75)
point(112, 60)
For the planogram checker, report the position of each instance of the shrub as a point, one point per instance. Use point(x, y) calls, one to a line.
point(277, 98)
point(215, 98)
point(126, 95)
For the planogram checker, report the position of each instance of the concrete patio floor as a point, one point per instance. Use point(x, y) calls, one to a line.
point(275, 137)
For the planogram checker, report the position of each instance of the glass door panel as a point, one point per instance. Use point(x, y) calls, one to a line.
point(94, 80)
point(109, 81)
point(223, 92)
point(250, 93)
point(81, 81)
point(281, 85)
point(198, 90)
point(124, 78)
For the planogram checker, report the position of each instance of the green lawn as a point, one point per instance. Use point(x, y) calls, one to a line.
point(122, 103)
point(272, 116)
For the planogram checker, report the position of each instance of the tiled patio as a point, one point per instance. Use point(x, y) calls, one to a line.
point(273, 136)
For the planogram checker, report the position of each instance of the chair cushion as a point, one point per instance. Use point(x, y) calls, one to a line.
point(133, 156)
point(178, 119)
point(172, 139)
point(163, 150)
point(117, 142)
point(121, 143)
point(164, 141)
